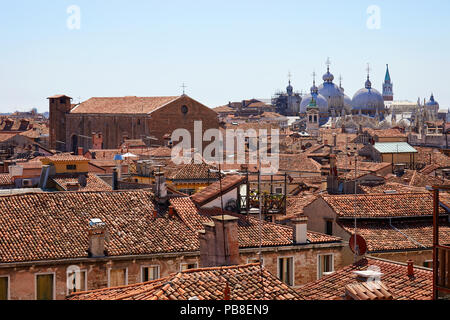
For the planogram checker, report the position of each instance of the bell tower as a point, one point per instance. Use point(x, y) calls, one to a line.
point(388, 93)
point(59, 107)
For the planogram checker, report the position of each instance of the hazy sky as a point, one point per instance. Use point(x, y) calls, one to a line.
point(223, 50)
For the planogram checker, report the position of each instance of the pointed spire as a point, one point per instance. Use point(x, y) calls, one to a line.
point(368, 83)
point(387, 78)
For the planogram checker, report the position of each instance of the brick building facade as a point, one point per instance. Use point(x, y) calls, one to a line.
point(92, 240)
point(118, 119)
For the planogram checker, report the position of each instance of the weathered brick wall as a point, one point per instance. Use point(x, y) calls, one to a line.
point(138, 126)
point(419, 256)
point(22, 279)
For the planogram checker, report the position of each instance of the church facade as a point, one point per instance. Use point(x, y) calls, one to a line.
point(152, 119)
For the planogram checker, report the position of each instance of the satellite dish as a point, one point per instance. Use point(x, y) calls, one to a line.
point(361, 246)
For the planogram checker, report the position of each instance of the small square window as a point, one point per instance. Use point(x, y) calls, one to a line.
point(150, 273)
point(76, 281)
point(45, 287)
point(4, 288)
point(286, 270)
point(325, 264)
point(187, 266)
point(329, 227)
point(117, 277)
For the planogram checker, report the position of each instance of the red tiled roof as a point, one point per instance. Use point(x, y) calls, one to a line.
point(296, 204)
point(47, 226)
point(245, 282)
point(6, 136)
point(194, 171)
point(392, 186)
point(6, 179)
point(248, 227)
point(66, 157)
point(94, 183)
point(401, 235)
point(367, 291)
point(126, 105)
point(382, 205)
point(394, 275)
point(213, 191)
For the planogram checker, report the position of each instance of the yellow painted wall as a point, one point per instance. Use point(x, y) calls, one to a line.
point(61, 166)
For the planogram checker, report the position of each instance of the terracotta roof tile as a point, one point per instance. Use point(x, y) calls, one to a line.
point(194, 171)
point(244, 282)
point(6, 179)
point(248, 227)
point(126, 105)
point(55, 225)
point(382, 205)
point(213, 190)
point(394, 275)
point(93, 182)
point(399, 235)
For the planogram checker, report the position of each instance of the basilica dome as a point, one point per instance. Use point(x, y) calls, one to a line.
point(347, 100)
point(320, 100)
point(432, 102)
point(368, 100)
point(331, 92)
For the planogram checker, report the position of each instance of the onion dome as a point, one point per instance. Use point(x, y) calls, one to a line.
point(432, 102)
point(368, 100)
point(320, 100)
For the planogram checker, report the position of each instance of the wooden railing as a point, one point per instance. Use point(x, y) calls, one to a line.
point(271, 203)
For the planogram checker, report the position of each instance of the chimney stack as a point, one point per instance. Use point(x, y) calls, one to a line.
point(80, 151)
point(300, 229)
point(97, 235)
point(115, 180)
point(160, 186)
point(410, 268)
point(219, 245)
point(171, 212)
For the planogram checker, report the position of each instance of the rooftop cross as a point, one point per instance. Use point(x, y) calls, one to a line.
point(289, 76)
point(368, 70)
point(314, 76)
point(328, 63)
point(184, 87)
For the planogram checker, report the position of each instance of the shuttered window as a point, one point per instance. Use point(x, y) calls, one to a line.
point(44, 287)
point(4, 288)
point(150, 273)
point(117, 277)
point(325, 264)
point(286, 271)
point(76, 281)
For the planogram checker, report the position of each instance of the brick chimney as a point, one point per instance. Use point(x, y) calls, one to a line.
point(171, 212)
point(97, 235)
point(80, 151)
point(300, 229)
point(410, 268)
point(219, 245)
point(160, 186)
